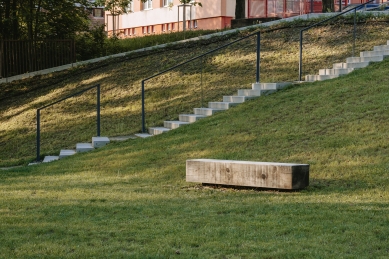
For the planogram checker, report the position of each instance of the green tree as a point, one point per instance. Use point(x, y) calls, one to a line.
point(43, 19)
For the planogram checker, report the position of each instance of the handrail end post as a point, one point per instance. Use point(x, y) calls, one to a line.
point(143, 107)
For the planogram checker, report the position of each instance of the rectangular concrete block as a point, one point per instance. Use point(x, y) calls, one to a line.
point(49, 159)
point(190, 117)
point(247, 173)
point(66, 152)
point(84, 147)
point(99, 141)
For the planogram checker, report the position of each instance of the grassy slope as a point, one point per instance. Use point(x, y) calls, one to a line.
point(130, 200)
point(177, 92)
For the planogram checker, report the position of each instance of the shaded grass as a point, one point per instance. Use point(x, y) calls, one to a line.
point(130, 199)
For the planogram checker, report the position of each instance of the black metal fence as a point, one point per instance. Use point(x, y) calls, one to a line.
point(22, 56)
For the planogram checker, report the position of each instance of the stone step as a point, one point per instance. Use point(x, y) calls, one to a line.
point(312, 78)
point(381, 48)
point(351, 65)
point(237, 99)
point(66, 152)
point(99, 141)
point(364, 59)
point(270, 86)
point(84, 147)
point(221, 105)
point(190, 117)
point(250, 92)
point(374, 53)
point(48, 159)
point(158, 130)
point(206, 111)
point(143, 135)
point(387, 42)
point(174, 124)
point(335, 71)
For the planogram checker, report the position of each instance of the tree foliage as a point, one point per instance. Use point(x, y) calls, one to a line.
point(43, 19)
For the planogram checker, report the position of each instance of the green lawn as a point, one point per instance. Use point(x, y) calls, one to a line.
point(131, 200)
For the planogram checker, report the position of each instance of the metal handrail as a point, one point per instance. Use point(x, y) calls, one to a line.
point(38, 117)
point(258, 34)
point(321, 22)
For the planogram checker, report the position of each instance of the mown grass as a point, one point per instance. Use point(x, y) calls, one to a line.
point(130, 199)
point(179, 91)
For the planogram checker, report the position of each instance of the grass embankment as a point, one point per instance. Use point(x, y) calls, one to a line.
point(130, 199)
point(179, 91)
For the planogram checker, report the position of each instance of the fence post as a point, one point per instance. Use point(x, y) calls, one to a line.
point(201, 83)
point(258, 55)
point(1, 58)
point(355, 27)
point(98, 110)
point(143, 107)
point(301, 55)
point(38, 135)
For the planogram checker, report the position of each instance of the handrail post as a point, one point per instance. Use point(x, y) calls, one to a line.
point(301, 55)
point(258, 55)
point(98, 110)
point(143, 107)
point(201, 83)
point(355, 14)
point(38, 135)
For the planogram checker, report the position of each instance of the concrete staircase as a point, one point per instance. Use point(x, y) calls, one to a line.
point(256, 91)
point(80, 148)
point(366, 57)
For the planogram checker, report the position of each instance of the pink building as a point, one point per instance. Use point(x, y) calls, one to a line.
point(162, 16)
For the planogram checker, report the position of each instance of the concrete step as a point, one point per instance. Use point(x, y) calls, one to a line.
point(221, 105)
point(351, 65)
point(99, 141)
point(206, 111)
point(381, 48)
point(237, 99)
point(84, 147)
point(48, 159)
point(270, 86)
point(190, 117)
point(174, 124)
point(158, 130)
point(143, 135)
point(387, 42)
point(374, 53)
point(250, 92)
point(335, 71)
point(66, 152)
point(312, 78)
point(365, 59)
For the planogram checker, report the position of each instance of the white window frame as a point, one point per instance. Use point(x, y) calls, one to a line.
point(167, 3)
point(148, 5)
point(130, 8)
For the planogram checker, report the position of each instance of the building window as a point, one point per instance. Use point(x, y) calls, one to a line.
point(133, 31)
point(130, 8)
point(153, 29)
point(98, 12)
point(144, 29)
point(194, 24)
point(163, 27)
point(148, 29)
point(167, 3)
point(148, 5)
point(168, 27)
point(173, 27)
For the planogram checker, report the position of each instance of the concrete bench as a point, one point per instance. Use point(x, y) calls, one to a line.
point(246, 173)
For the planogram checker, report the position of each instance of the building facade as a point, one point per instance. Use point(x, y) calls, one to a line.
point(163, 16)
